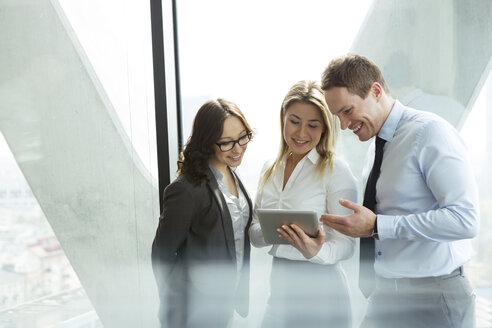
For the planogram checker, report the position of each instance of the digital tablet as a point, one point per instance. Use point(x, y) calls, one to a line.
point(271, 219)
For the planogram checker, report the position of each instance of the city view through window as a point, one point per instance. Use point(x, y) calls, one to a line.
point(38, 286)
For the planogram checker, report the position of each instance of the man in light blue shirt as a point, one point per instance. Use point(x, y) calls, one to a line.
point(426, 203)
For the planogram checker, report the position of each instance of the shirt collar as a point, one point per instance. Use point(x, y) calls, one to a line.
point(313, 156)
point(218, 176)
point(388, 129)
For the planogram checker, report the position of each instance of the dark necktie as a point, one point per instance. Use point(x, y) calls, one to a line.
point(366, 274)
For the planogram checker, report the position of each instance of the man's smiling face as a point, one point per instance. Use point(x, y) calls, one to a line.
point(362, 116)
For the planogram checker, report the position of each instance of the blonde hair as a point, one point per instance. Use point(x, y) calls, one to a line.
point(308, 92)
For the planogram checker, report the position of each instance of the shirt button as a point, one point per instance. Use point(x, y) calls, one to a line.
point(379, 253)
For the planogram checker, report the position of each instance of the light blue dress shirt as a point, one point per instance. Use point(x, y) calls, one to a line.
point(427, 200)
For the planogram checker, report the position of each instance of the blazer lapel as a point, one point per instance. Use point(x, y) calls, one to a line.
point(242, 300)
point(245, 192)
point(225, 215)
point(250, 216)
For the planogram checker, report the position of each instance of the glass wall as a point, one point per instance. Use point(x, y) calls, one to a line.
point(78, 195)
point(116, 40)
point(252, 53)
point(36, 279)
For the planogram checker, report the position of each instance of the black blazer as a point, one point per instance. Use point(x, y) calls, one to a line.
point(194, 256)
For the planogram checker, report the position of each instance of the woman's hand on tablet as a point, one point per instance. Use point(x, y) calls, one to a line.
point(308, 246)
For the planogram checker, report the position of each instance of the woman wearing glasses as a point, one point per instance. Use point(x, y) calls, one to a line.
point(307, 285)
point(200, 253)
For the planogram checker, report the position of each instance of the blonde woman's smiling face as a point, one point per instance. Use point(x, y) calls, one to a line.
point(303, 127)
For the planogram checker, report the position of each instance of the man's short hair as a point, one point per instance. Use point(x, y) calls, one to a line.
point(354, 72)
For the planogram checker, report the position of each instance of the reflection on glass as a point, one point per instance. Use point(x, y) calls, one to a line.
point(115, 37)
point(37, 281)
point(76, 107)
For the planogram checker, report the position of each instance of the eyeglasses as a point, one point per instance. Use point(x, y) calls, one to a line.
point(228, 145)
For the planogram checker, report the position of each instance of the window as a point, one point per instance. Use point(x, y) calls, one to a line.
point(251, 53)
point(478, 137)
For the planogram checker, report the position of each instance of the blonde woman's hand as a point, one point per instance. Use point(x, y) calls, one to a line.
point(308, 246)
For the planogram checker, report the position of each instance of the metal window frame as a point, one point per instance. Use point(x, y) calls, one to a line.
point(169, 134)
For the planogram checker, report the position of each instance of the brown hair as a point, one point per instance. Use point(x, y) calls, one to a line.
point(354, 72)
point(207, 129)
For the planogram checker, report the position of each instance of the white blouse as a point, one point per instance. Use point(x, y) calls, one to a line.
point(239, 211)
point(305, 190)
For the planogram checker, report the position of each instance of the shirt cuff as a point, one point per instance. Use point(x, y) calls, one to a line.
point(317, 258)
point(386, 227)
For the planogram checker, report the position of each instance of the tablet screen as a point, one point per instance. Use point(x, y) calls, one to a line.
point(271, 219)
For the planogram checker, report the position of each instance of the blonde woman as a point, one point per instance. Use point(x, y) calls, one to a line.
point(307, 286)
